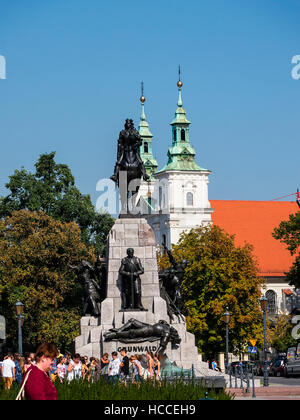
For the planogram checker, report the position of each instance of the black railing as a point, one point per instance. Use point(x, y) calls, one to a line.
point(243, 378)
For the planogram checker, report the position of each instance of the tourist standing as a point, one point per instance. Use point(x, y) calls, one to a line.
point(150, 366)
point(32, 357)
point(8, 371)
point(28, 363)
point(53, 372)
point(140, 359)
point(22, 365)
point(68, 358)
point(61, 369)
point(136, 370)
point(75, 368)
point(92, 369)
point(156, 363)
point(98, 369)
point(114, 368)
point(18, 370)
point(124, 367)
point(38, 385)
point(104, 363)
point(85, 368)
point(59, 354)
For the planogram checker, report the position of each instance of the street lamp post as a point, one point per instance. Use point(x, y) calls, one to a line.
point(226, 319)
point(19, 310)
point(264, 306)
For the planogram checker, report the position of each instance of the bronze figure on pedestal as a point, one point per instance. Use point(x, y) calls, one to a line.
point(131, 289)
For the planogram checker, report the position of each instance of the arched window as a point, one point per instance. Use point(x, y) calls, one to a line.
point(146, 148)
point(272, 301)
point(182, 134)
point(174, 135)
point(189, 199)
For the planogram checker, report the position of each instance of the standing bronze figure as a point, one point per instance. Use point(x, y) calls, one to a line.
point(131, 289)
point(170, 285)
point(93, 294)
point(129, 166)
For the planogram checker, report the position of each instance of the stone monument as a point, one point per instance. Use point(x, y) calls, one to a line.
point(134, 314)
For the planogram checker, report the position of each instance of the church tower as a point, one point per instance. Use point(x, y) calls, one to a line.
point(181, 155)
point(182, 185)
point(146, 148)
point(145, 197)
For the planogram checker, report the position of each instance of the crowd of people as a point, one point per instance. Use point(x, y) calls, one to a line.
point(119, 368)
point(13, 367)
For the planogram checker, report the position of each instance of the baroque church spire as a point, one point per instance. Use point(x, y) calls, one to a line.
point(146, 148)
point(180, 114)
point(181, 155)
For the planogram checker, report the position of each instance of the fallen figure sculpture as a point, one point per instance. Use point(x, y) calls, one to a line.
point(136, 332)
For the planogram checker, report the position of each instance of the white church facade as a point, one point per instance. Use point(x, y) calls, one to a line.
point(176, 200)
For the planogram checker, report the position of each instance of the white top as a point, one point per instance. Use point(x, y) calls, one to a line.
point(76, 372)
point(114, 367)
point(62, 369)
point(8, 365)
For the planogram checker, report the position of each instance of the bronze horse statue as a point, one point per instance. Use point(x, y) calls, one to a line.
point(129, 168)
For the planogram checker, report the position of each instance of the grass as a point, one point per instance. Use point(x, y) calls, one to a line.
point(146, 391)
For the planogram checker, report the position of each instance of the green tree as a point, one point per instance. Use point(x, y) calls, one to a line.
point(35, 253)
point(52, 189)
point(219, 274)
point(288, 232)
point(280, 336)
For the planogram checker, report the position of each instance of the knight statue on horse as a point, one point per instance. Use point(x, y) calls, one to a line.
point(129, 166)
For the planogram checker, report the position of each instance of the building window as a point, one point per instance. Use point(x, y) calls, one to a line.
point(174, 135)
point(272, 302)
point(149, 202)
point(189, 199)
point(160, 194)
point(182, 134)
point(164, 242)
point(146, 148)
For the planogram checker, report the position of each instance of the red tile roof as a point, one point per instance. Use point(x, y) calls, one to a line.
point(254, 222)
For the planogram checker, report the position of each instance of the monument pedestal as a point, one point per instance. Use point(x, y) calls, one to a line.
point(137, 234)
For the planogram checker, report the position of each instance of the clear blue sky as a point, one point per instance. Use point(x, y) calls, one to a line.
point(74, 69)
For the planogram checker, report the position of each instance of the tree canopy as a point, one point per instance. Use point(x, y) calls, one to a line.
point(288, 232)
point(280, 336)
point(35, 253)
point(52, 189)
point(219, 275)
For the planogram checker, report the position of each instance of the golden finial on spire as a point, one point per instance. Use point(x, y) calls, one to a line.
point(142, 98)
point(179, 83)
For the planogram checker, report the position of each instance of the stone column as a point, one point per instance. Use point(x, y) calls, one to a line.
point(221, 361)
